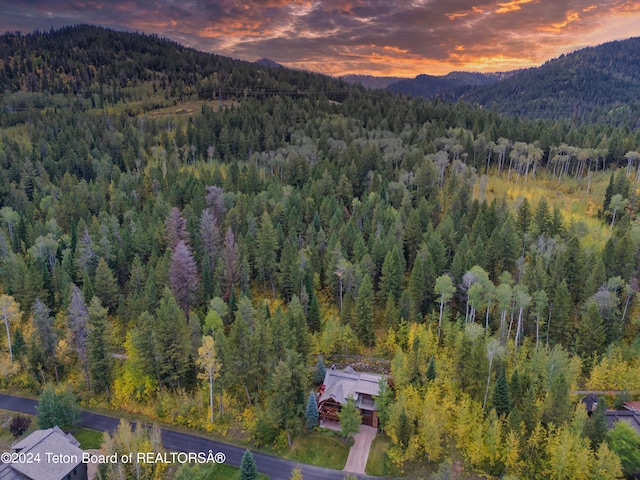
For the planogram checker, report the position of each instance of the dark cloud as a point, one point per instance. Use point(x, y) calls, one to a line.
point(384, 37)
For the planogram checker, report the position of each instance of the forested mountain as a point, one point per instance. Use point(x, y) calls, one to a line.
point(430, 85)
point(492, 261)
point(370, 81)
point(105, 66)
point(593, 84)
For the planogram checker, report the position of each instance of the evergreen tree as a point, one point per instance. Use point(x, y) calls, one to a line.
point(404, 429)
point(172, 344)
point(501, 398)
point(248, 467)
point(100, 367)
point(596, 427)
point(591, 335)
point(523, 222)
point(320, 372)
point(364, 311)
point(624, 441)
point(392, 278)
point(418, 286)
point(57, 408)
point(516, 389)
point(105, 286)
point(183, 276)
point(559, 329)
point(287, 398)
point(383, 402)
point(311, 412)
point(313, 318)
point(44, 339)
point(431, 369)
point(542, 218)
point(558, 407)
point(266, 250)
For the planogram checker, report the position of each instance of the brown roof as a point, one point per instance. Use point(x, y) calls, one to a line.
point(342, 384)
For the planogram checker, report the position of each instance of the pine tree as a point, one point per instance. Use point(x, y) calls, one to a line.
point(392, 278)
point(558, 405)
point(320, 372)
point(42, 355)
point(266, 250)
point(313, 318)
point(404, 429)
point(418, 285)
point(591, 335)
point(183, 276)
point(230, 264)
point(100, 367)
point(105, 286)
point(248, 468)
point(311, 412)
point(501, 398)
point(624, 441)
point(431, 369)
point(57, 408)
point(172, 344)
point(176, 228)
point(364, 311)
point(523, 222)
point(383, 402)
point(559, 329)
point(596, 427)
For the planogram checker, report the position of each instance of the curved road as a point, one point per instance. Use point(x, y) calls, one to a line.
point(276, 468)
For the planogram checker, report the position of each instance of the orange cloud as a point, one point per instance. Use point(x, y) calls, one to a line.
point(512, 6)
point(558, 26)
point(235, 29)
point(453, 16)
point(394, 49)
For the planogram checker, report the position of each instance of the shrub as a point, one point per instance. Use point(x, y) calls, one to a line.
point(19, 424)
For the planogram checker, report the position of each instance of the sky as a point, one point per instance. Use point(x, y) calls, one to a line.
point(375, 37)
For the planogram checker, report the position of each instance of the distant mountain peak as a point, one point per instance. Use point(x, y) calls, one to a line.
point(267, 62)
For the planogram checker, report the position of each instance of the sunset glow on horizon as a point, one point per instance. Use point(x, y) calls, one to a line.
point(401, 38)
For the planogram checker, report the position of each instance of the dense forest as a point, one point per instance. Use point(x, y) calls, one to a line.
point(595, 84)
point(147, 251)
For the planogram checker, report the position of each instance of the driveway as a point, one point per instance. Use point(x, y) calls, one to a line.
point(357, 459)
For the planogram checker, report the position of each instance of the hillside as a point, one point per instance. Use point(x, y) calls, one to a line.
point(430, 85)
point(370, 81)
point(106, 67)
point(593, 84)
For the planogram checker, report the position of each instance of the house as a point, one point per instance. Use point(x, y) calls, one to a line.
point(342, 384)
point(48, 455)
point(613, 416)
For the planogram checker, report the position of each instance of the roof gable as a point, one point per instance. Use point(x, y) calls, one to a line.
point(47, 443)
point(342, 384)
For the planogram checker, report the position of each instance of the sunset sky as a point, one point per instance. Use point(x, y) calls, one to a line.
point(391, 37)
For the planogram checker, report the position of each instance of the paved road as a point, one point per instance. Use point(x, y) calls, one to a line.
point(276, 468)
